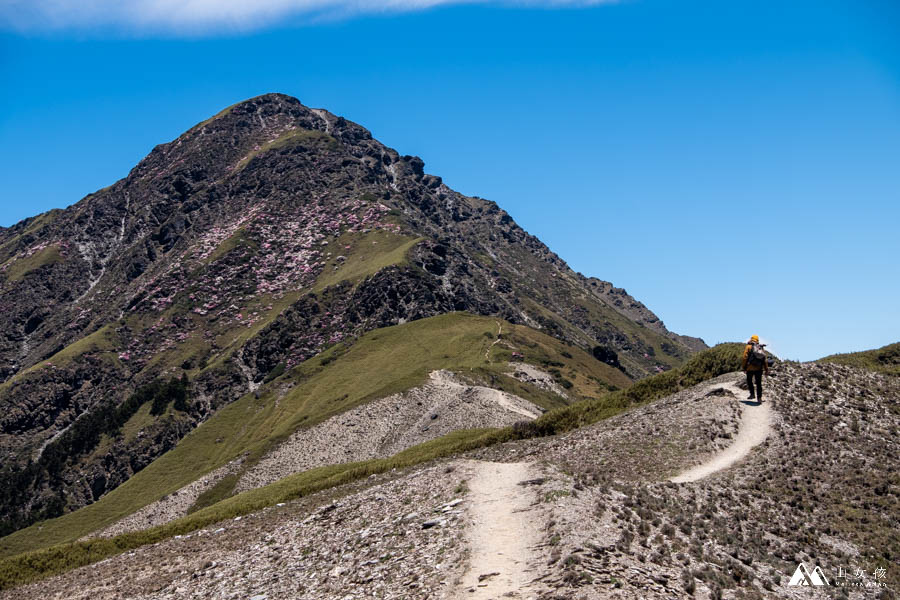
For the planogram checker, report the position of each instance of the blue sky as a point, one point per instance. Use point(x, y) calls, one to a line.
point(735, 166)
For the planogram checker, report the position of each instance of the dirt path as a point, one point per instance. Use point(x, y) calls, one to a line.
point(503, 533)
point(755, 428)
point(497, 341)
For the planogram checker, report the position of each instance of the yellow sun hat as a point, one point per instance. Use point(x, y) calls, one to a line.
point(754, 339)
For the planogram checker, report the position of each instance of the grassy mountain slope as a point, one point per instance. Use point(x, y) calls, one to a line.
point(383, 362)
point(201, 346)
point(882, 360)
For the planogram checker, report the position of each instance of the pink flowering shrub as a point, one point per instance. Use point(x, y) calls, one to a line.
point(281, 250)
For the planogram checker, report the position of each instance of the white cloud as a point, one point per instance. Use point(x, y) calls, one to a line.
point(200, 16)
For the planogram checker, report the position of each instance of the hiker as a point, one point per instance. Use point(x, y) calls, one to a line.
point(754, 364)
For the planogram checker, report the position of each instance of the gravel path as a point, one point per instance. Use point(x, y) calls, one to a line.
point(502, 534)
point(756, 425)
point(499, 339)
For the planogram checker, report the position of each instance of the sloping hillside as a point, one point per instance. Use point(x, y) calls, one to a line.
point(882, 360)
point(381, 363)
point(821, 491)
point(459, 339)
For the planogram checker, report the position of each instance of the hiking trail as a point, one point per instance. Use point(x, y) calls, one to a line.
point(495, 342)
point(756, 425)
point(502, 535)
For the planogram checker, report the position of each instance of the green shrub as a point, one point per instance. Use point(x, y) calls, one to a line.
point(608, 356)
point(275, 373)
point(175, 391)
point(881, 360)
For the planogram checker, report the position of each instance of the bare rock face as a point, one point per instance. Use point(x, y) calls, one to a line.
point(635, 310)
point(252, 242)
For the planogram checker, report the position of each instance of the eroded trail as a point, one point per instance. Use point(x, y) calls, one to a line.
point(755, 427)
point(503, 533)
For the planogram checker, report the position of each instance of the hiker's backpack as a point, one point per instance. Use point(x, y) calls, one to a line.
point(757, 356)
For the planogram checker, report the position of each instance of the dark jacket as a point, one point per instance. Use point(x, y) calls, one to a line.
point(748, 367)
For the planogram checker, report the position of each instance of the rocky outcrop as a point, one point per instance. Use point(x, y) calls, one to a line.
point(628, 306)
point(43, 404)
point(393, 295)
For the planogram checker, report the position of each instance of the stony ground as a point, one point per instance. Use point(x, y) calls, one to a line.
point(647, 443)
point(385, 427)
point(169, 507)
point(822, 489)
point(398, 537)
point(378, 429)
point(537, 377)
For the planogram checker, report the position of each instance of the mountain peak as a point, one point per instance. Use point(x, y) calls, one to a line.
point(276, 98)
point(276, 111)
point(260, 108)
point(214, 147)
